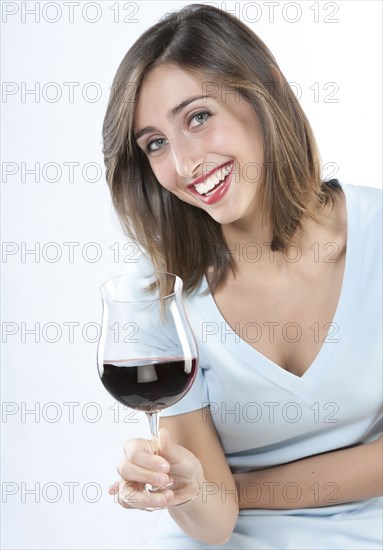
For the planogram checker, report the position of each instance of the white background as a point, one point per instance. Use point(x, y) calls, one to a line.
point(68, 449)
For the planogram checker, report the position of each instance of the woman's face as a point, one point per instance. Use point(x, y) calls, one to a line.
point(202, 141)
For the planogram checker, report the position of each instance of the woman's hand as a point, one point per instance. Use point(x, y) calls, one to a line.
point(140, 466)
point(197, 460)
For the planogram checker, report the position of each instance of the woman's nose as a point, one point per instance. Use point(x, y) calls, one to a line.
point(187, 158)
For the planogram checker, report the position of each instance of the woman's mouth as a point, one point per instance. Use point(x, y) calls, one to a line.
point(214, 180)
point(213, 188)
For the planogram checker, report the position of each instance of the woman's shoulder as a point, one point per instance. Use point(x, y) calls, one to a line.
point(366, 202)
point(364, 211)
point(368, 195)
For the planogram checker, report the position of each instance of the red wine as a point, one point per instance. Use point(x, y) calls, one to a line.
point(149, 385)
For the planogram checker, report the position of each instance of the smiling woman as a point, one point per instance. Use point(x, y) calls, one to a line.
point(241, 81)
point(209, 153)
point(199, 154)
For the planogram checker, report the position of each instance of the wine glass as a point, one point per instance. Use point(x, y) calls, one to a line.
point(147, 354)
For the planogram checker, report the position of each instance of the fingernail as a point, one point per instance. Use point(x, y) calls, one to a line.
point(162, 480)
point(162, 467)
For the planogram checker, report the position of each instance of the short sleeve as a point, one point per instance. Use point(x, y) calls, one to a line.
point(196, 398)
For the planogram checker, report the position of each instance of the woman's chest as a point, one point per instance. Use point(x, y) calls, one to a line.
point(286, 317)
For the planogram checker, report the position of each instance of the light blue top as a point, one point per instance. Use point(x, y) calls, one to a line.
point(266, 416)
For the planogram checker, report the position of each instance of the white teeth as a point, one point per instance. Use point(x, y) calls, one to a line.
point(209, 184)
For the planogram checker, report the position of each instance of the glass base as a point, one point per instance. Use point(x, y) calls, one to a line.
point(174, 487)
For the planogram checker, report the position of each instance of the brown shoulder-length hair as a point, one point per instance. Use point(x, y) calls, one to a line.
point(220, 49)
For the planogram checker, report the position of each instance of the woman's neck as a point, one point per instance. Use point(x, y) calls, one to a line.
point(250, 240)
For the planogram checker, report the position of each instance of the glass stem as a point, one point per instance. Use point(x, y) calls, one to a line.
point(154, 419)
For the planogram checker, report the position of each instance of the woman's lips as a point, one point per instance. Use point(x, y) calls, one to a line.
point(220, 189)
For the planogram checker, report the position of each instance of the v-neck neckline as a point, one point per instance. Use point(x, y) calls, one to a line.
point(305, 384)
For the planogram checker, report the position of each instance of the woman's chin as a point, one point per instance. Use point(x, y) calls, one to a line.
point(225, 216)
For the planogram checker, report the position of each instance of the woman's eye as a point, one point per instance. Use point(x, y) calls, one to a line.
point(155, 145)
point(199, 118)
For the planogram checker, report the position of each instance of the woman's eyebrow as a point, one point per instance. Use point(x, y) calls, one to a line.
point(176, 110)
point(171, 114)
point(146, 130)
